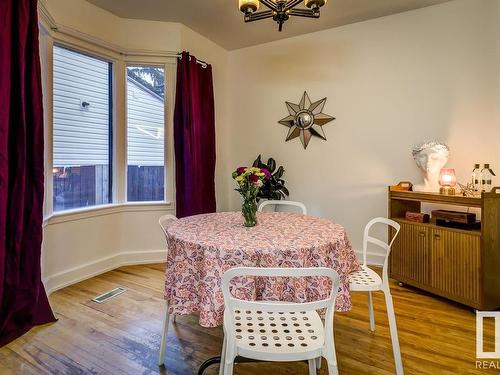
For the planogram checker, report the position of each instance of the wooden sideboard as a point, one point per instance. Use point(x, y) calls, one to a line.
point(461, 265)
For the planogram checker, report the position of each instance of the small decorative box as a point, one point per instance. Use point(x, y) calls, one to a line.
point(417, 217)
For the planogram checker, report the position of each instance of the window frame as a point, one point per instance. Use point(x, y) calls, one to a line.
point(111, 124)
point(118, 135)
point(166, 136)
point(169, 65)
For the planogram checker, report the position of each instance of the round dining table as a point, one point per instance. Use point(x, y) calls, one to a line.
point(202, 247)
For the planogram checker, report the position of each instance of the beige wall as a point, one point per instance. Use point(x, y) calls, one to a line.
point(391, 82)
point(133, 34)
point(80, 245)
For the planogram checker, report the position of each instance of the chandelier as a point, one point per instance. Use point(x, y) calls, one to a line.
point(280, 10)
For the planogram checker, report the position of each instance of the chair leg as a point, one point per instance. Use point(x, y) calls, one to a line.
point(394, 333)
point(173, 318)
point(222, 357)
point(318, 363)
point(332, 368)
point(370, 312)
point(312, 366)
point(163, 344)
point(228, 368)
point(331, 358)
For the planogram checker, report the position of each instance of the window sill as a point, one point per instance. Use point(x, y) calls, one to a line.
point(108, 209)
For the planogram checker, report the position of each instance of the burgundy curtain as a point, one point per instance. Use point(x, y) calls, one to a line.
point(194, 136)
point(23, 302)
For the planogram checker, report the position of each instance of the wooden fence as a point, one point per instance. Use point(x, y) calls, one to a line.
point(145, 183)
point(84, 186)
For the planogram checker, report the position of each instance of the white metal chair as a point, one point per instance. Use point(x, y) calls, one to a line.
point(283, 203)
point(367, 280)
point(164, 221)
point(278, 331)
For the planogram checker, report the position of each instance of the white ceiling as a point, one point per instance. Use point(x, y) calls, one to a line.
point(222, 22)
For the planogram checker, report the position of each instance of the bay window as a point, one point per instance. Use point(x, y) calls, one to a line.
point(145, 133)
point(82, 130)
point(109, 135)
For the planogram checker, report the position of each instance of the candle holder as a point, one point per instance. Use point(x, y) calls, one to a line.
point(447, 181)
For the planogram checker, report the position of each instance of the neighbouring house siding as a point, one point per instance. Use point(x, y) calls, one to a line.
point(145, 121)
point(80, 134)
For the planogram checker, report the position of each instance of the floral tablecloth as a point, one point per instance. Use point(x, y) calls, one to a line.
point(202, 247)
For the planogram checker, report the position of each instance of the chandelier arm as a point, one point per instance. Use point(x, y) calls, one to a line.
point(259, 16)
point(270, 4)
point(304, 13)
point(292, 3)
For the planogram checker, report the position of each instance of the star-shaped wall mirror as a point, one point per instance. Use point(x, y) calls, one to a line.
point(306, 119)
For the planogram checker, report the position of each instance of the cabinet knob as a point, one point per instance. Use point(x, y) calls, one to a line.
point(437, 236)
point(421, 234)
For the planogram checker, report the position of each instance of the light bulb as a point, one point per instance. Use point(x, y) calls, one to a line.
point(249, 6)
point(314, 4)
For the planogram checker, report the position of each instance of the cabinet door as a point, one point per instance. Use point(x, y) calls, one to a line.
point(455, 264)
point(410, 254)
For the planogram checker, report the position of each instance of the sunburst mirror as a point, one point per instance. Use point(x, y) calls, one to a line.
point(306, 119)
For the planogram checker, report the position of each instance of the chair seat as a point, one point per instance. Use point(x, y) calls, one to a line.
point(279, 336)
point(364, 280)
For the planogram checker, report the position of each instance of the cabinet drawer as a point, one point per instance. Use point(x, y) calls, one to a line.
point(410, 253)
point(455, 264)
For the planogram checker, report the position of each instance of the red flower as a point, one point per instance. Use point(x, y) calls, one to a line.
point(240, 170)
point(253, 178)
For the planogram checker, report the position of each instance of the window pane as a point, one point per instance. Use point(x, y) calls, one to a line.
point(81, 130)
point(145, 133)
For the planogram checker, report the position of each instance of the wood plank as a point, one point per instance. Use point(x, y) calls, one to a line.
point(491, 248)
point(410, 254)
point(122, 336)
point(464, 265)
point(435, 198)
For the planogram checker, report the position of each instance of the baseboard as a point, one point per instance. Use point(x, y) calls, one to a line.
point(74, 275)
point(373, 259)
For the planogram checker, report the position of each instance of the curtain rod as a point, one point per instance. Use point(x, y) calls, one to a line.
point(115, 48)
point(204, 64)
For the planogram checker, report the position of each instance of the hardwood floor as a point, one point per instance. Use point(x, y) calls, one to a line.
point(122, 335)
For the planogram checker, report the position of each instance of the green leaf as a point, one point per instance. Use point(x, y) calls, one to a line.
point(279, 173)
point(274, 188)
point(257, 162)
point(271, 165)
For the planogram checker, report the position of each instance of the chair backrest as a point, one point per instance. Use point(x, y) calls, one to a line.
point(165, 220)
point(284, 203)
point(232, 304)
point(386, 246)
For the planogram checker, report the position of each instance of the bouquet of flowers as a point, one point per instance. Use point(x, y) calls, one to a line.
point(250, 180)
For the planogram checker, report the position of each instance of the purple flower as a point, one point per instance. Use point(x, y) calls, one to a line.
point(267, 173)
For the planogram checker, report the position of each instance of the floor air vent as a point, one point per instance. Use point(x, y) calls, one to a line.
point(112, 293)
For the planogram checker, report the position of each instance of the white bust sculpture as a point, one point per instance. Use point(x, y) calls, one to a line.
point(430, 157)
